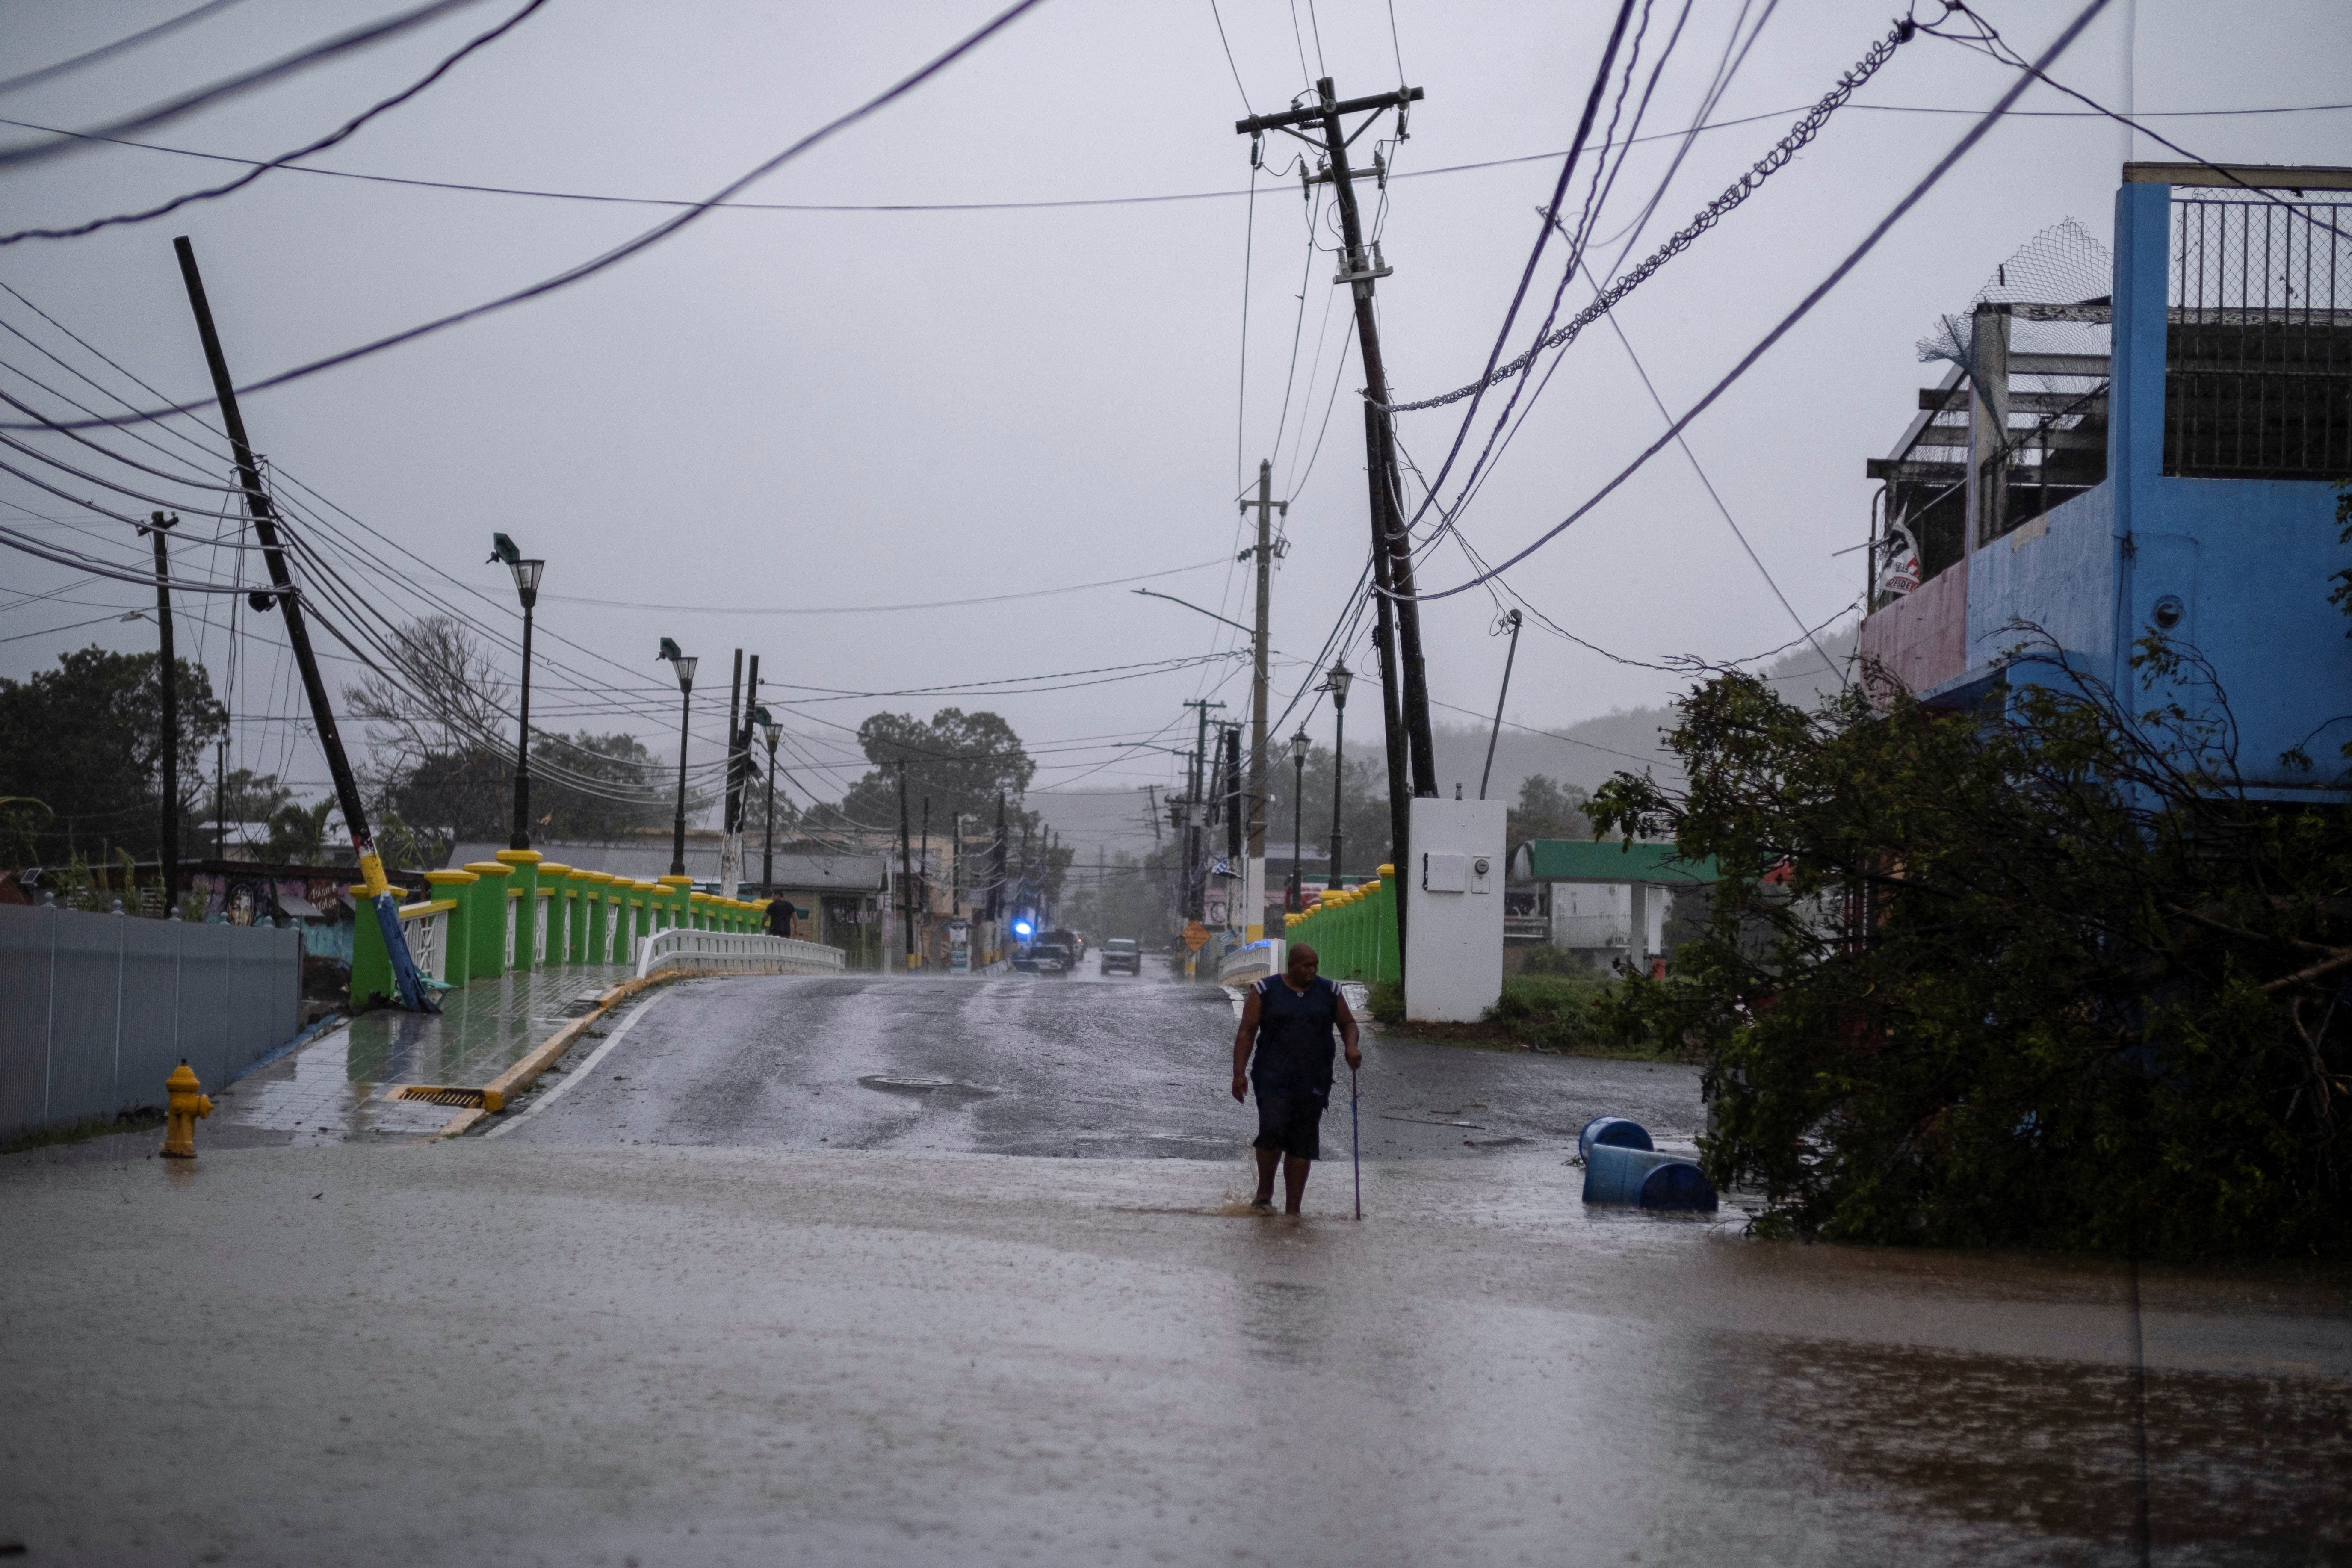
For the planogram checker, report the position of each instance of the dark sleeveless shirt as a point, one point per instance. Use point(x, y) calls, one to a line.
point(1295, 1037)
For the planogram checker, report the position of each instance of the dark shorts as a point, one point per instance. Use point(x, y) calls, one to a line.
point(1290, 1124)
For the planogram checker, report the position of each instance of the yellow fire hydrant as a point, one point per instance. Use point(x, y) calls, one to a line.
point(187, 1102)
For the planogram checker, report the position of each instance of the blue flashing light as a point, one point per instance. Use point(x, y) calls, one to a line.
point(1021, 928)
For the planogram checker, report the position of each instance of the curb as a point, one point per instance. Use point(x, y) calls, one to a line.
point(527, 1072)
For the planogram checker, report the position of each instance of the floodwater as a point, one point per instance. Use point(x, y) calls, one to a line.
point(612, 1336)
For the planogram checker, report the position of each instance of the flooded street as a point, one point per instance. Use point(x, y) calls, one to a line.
point(807, 1270)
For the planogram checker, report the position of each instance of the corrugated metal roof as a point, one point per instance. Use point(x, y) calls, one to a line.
point(1585, 861)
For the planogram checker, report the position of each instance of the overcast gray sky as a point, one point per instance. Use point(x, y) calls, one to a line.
point(801, 410)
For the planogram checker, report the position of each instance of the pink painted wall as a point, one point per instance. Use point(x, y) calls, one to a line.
point(1923, 638)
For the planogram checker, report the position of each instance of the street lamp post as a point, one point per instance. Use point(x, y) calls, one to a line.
point(1336, 683)
point(684, 664)
point(769, 727)
point(1298, 744)
point(526, 577)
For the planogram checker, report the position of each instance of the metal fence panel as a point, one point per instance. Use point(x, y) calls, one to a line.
point(96, 1010)
point(2258, 372)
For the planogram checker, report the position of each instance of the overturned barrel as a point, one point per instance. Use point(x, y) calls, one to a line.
point(1645, 1178)
point(1615, 1130)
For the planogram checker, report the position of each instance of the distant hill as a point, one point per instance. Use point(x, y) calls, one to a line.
point(1583, 753)
point(1586, 752)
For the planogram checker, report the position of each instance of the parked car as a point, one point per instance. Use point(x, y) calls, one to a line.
point(1072, 943)
point(1050, 958)
point(1122, 952)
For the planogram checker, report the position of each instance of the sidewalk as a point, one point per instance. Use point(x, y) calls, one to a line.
point(338, 1088)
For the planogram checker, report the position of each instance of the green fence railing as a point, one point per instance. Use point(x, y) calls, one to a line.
point(1353, 931)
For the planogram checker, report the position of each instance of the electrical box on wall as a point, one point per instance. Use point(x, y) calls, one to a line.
point(1453, 911)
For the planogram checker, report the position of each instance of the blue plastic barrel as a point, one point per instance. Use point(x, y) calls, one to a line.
point(1614, 1130)
point(1678, 1185)
point(1646, 1177)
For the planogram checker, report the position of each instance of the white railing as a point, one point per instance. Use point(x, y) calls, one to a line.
point(683, 947)
point(423, 935)
point(1252, 961)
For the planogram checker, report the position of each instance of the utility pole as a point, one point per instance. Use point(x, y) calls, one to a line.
point(906, 871)
point(731, 820)
point(415, 994)
point(1196, 811)
point(955, 866)
point(996, 871)
point(1231, 784)
point(1404, 688)
point(167, 844)
point(1501, 696)
point(220, 801)
point(1253, 880)
point(927, 861)
point(768, 859)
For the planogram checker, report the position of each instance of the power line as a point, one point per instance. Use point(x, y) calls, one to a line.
point(1782, 153)
point(1237, 193)
point(1804, 307)
point(342, 43)
point(340, 133)
point(641, 242)
point(880, 609)
point(131, 41)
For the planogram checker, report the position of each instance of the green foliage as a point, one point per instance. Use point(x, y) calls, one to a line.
point(1363, 808)
point(1567, 1012)
point(602, 789)
point(85, 740)
point(1386, 1003)
point(1547, 809)
point(960, 761)
point(2034, 975)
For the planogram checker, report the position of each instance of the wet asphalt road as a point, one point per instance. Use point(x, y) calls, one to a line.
point(1084, 1065)
point(762, 1286)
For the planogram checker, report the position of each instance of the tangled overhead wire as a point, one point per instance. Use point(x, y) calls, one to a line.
point(1783, 152)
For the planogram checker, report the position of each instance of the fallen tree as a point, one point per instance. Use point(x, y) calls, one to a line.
point(2038, 973)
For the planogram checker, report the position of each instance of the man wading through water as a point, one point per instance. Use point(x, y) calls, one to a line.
point(1289, 1018)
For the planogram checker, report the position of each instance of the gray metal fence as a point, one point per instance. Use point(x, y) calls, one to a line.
point(97, 1010)
point(2258, 365)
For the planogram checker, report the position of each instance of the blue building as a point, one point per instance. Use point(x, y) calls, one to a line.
point(2164, 455)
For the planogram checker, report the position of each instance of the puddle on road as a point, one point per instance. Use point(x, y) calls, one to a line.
point(939, 1088)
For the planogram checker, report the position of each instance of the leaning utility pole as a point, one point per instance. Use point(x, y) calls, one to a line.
point(414, 994)
point(1404, 688)
point(167, 846)
point(1253, 880)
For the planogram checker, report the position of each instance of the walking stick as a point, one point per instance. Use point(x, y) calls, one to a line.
point(1356, 1142)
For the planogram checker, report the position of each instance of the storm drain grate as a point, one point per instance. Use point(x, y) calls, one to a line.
point(437, 1094)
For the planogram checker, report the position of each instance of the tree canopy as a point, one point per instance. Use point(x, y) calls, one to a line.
point(85, 739)
point(2039, 972)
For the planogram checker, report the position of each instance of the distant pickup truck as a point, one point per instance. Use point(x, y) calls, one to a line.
point(1070, 942)
point(1051, 958)
point(1121, 953)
